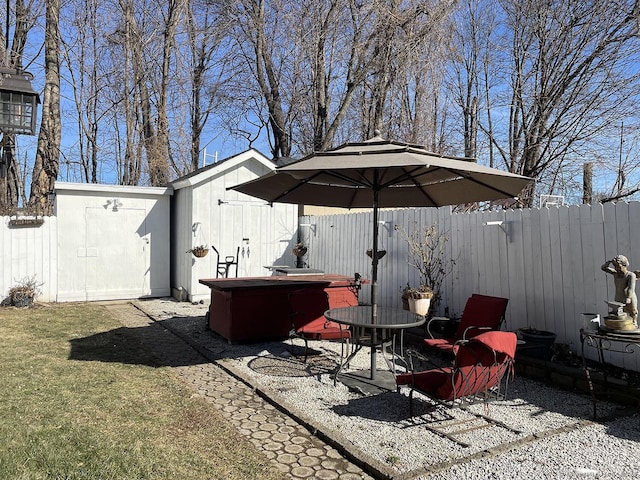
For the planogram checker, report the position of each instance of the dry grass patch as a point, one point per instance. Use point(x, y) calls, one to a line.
point(106, 411)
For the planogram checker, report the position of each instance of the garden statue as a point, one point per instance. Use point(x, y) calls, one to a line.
point(624, 309)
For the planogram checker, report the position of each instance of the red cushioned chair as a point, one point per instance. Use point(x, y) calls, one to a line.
point(481, 313)
point(307, 307)
point(476, 373)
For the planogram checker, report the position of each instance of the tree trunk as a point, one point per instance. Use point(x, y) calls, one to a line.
point(45, 169)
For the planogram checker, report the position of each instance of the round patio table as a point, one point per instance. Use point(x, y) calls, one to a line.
point(365, 332)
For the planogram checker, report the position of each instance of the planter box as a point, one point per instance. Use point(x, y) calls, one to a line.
point(537, 343)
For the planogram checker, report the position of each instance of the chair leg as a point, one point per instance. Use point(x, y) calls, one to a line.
point(306, 349)
point(306, 344)
point(411, 402)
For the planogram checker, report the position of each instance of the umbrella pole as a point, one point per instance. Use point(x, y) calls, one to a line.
point(374, 284)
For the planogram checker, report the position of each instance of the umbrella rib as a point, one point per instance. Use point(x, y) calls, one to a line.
point(295, 187)
point(478, 182)
point(424, 193)
point(363, 179)
point(408, 174)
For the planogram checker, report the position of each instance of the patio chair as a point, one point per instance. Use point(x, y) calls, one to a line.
point(307, 307)
point(476, 373)
point(481, 313)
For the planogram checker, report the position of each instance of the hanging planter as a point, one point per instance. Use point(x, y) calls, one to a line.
point(299, 250)
point(200, 248)
point(381, 253)
point(199, 251)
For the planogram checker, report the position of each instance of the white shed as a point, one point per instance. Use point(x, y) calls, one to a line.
point(113, 241)
point(246, 229)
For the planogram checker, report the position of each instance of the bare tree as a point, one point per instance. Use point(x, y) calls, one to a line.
point(470, 61)
point(625, 172)
point(260, 49)
point(45, 169)
point(83, 63)
point(205, 26)
point(407, 38)
point(569, 79)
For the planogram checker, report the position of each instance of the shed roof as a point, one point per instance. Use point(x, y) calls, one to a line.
point(100, 188)
point(205, 173)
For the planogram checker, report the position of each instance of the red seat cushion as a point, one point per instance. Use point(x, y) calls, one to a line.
point(447, 384)
point(441, 344)
point(481, 311)
point(480, 364)
point(428, 381)
point(323, 329)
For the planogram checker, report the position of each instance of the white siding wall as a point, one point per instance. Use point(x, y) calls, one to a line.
point(108, 251)
point(547, 262)
point(29, 252)
point(227, 220)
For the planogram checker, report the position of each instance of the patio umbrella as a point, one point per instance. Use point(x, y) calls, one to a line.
point(379, 173)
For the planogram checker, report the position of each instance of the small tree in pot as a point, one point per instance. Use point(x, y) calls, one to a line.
point(427, 254)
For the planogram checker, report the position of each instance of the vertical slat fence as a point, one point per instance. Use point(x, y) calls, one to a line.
point(546, 261)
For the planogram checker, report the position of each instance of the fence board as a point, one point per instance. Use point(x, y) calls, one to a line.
point(546, 266)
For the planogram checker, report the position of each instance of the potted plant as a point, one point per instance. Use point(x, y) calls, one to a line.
point(419, 299)
point(199, 251)
point(427, 254)
point(538, 342)
point(24, 293)
point(299, 249)
point(381, 253)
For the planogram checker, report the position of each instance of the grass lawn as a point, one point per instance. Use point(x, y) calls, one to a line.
point(76, 419)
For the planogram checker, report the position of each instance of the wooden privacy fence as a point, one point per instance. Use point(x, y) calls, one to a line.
point(546, 261)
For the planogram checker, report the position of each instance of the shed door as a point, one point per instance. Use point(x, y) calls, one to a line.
point(117, 253)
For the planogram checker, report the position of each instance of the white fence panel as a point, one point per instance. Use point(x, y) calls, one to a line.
point(546, 261)
point(29, 251)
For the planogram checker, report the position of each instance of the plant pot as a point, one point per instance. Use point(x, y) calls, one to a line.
point(381, 253)
point(22, 300)
point(299, 251)
point(538, 343)
point(420, 305)
point(199, 251)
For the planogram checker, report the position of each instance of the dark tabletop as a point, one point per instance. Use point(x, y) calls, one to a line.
point(386, 317)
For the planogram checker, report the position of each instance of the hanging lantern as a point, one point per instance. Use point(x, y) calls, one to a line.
point(18, 102)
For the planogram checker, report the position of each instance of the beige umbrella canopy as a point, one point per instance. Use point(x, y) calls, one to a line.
point(379, 173)
point(402, 175)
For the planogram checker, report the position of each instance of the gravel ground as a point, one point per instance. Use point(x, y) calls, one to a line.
point(548, 434)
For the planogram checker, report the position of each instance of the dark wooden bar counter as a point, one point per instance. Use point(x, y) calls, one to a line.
point(257, 308)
